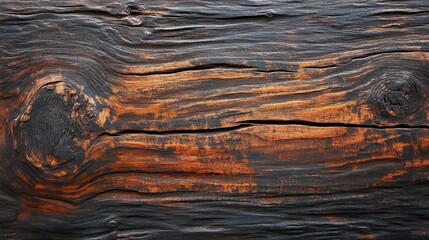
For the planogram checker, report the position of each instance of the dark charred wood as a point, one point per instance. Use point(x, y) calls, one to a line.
point(228, 119)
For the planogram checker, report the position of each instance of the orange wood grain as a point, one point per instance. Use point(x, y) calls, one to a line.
point(214, 119)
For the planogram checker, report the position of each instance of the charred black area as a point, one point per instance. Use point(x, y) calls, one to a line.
point(205, 94)
point(49, 129)
point(50, 132)
point(400, 95)
point(398, 92)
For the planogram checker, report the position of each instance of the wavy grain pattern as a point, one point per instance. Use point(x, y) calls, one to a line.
point(214, 119)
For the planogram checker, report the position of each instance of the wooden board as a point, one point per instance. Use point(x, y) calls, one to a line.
point(214, 119)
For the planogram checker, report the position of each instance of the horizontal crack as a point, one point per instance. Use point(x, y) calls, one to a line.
point(184, 131)
point(250, 123)
point(191, 68)
point(226, 66)
point(325, 124)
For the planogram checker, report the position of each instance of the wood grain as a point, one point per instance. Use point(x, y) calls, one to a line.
point(214, 119)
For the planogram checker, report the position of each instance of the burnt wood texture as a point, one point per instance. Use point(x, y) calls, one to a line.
point(194, 119)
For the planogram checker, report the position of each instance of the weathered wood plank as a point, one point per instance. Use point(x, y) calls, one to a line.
point(269, 180)
point(363, 64)
point(227, 119)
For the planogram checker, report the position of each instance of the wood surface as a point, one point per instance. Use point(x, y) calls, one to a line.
point(193, 119)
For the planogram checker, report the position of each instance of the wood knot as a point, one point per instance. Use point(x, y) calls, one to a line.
point(397, 94)
point(133, 17)
point(112, 224)
point(51, 132)
point(269, 14)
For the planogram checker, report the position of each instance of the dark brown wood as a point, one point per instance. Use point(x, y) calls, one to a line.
point(214, 119)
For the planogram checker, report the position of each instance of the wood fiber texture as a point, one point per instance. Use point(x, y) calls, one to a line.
point(192, 119)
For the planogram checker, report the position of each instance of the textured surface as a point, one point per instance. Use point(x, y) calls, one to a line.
point(225, 119)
